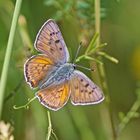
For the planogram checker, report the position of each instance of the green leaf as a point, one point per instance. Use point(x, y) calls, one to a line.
point(93, 59)
point(92, 43)
point(136, 115)
point(79, 58)
point(108, 57)
point(98, 47)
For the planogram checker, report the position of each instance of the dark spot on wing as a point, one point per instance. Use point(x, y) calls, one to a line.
point(43, 101)
point(57, 32)
point(60, 49)
point(90, 92)
point(60, 90)
point(40, 97)
point(51, 50)
point(43, 67)
point(53, 33)
point(94, 87)
point(81, 90)
point(81, 80)
point(32, 83)
point(87, 85)
point(57, 41)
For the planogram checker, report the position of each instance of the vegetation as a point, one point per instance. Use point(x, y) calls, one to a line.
point(109, 34)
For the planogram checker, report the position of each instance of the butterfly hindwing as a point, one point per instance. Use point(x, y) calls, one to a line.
point(50, 41)
point(54, 97)
point(37, 68)
point(84, 91)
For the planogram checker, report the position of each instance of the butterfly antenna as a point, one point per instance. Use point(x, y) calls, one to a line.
point(90, 69)
point(77, 52)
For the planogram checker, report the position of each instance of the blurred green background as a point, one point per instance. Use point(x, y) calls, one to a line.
point(120, 29)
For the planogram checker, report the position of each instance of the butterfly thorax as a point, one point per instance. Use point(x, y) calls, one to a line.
point(59, 75)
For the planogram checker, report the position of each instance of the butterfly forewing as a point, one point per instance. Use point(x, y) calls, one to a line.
point(50, 41)
point(54, 97)
point(84, 91)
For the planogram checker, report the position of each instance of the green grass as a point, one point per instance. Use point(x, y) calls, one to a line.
point(8, 53)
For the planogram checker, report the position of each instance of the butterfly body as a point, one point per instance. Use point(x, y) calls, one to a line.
point(58, 76)
point(57, 79)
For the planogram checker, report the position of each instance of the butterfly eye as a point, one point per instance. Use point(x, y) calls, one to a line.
point(74, 66)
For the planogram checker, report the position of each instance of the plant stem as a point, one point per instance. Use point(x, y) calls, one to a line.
point(97, 21)
point(8, 53)
point(49, 127)
point(102, 70)
point(128, 116)
point(26, 106)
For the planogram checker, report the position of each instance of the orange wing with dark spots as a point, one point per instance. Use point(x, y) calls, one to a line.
point(50, 42)
point(54, 97)
point(37, 68)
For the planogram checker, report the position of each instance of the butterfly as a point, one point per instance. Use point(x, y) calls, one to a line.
point(57, 79)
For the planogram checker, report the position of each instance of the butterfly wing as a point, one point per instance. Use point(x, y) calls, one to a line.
point(84, 91)
point(50, 41)
point(36, 68)
point(56, 97)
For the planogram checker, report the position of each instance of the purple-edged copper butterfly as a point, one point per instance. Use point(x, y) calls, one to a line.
point(55, 77)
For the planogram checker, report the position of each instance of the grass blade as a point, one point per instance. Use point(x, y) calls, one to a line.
point(8, 53)
point(108, 57)
point(92, 43)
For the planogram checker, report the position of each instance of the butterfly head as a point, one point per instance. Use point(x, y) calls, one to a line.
point(69, 67)
point(74, 66)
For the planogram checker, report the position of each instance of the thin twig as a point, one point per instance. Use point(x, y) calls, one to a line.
point(101, 67)
point(26, 106)
point(56, 138)
point(128, 116)
point(49, 127)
